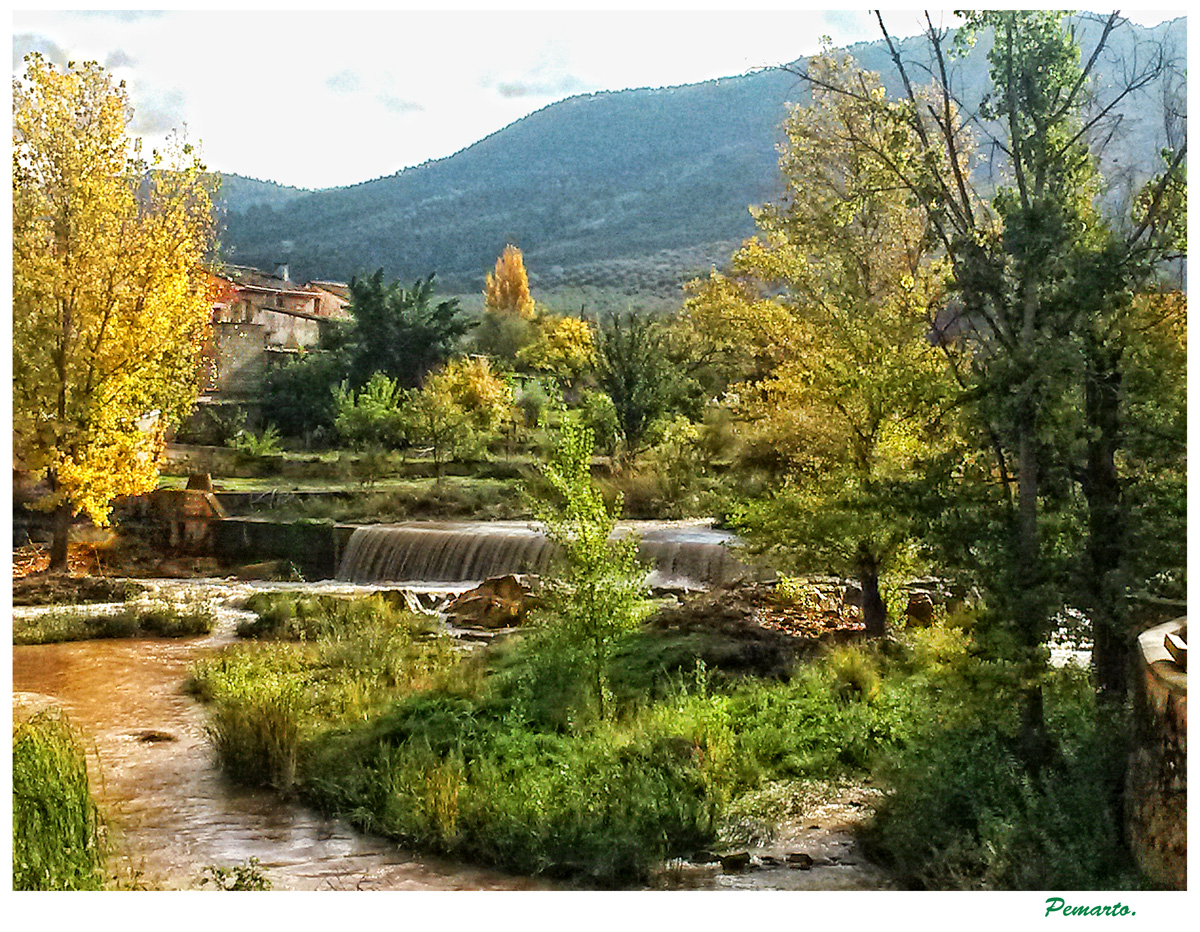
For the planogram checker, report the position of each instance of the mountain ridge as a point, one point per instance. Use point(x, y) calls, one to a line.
point(646, 179)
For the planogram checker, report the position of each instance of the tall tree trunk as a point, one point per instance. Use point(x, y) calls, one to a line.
point(873, 609)
point(1106, 541)
point(62, 536)
point(1035, 746)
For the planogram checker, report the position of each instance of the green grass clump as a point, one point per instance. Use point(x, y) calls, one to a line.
point(286, 616)
point(603, 803)
point(336, 661)
point(248, 876)
point(159, 620)
point(58, 836)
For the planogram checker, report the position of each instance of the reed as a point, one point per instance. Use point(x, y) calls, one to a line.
point(58, 832)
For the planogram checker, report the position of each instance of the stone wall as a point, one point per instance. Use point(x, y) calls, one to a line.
point(239, 357)
point(1156, 810)
point(315, 547)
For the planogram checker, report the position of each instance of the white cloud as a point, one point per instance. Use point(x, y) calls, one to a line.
point(28, 43)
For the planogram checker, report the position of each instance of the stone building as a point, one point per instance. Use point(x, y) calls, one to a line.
point(261, 318)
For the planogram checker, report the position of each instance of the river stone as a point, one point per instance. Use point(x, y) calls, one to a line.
point(735, 862)
point(800, 860)
point(495, 603)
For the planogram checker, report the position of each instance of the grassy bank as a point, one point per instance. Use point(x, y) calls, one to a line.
point(162, 620)
point(494, 758)
point(452, 497)
point(58, 589)
point(58, 837)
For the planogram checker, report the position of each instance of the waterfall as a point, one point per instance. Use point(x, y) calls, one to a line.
point(443, 552)
point(469, 551)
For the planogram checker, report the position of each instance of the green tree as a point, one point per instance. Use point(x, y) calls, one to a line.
point(401, 332)
point(297, 396)
point(635, 371)
point(372, 416)
point(110, 306)
point(599, 595)
point(856, 394)
point(1039, 283)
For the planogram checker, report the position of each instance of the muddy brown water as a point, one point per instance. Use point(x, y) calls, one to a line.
point(170, 808)
point(172, 812)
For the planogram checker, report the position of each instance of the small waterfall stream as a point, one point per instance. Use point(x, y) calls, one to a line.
point(679, 554)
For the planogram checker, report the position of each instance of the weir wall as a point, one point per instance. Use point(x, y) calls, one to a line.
point(1156, 788)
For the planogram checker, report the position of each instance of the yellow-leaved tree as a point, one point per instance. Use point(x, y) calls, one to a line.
point(565, 347)
point(830, 308)
point(109, 295)
point(506, 290)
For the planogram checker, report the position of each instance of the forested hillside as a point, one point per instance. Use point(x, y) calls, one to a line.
point(628, 192)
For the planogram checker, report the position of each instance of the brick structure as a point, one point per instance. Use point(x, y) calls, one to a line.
point(189, 516)
point(1156, 809)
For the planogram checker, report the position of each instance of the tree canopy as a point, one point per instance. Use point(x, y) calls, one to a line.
point(402, 332)
point(110, 306)
point(506, 290)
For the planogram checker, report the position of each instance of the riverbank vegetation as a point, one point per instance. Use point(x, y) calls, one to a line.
point(591, 746)
point(504, 758)
point(164, 619)
point(58, 833)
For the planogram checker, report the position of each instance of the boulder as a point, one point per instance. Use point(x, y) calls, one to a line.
point(919, 610)
point(500, 602)
point(731, 863)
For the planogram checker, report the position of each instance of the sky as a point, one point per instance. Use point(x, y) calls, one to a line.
point(323, 99)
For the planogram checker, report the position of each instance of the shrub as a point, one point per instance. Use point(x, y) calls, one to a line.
point(161, 619)
point(964, 813)
point(251, 444)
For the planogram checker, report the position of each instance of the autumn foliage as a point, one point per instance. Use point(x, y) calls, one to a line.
point(109, 306)
point(506, 290)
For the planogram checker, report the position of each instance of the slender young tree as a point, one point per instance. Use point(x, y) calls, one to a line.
point(856, 393)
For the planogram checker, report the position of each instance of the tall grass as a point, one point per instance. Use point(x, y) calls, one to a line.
point(58, 836)
point(333, 661)
point(161, 619)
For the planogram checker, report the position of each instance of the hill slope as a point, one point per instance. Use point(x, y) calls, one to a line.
point(634, 190)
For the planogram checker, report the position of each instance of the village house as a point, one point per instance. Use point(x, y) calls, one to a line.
point(260, 319)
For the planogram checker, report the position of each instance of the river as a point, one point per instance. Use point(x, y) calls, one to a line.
point(172, 812)
point(171, 809)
